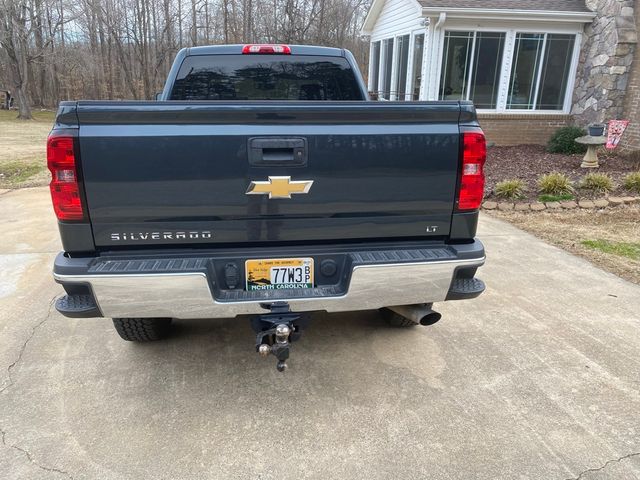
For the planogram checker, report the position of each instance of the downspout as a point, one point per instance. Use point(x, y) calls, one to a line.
point(442, 17)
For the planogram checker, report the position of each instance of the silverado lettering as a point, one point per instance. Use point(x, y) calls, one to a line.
point(233, 144)
point(203, 235)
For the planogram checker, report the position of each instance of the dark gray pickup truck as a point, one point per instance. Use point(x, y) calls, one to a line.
point(264, 182)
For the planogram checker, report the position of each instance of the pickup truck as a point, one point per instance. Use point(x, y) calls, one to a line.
point(263, 182)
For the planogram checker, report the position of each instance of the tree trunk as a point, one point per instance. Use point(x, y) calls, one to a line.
point(24, 109)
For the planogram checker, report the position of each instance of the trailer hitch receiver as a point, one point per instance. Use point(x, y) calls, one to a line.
point(276, 330)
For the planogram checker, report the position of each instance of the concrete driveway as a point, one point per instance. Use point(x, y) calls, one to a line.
point(539, 378)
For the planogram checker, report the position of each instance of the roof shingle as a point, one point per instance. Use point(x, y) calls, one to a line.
point(548, 5)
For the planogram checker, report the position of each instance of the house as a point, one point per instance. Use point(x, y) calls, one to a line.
point(530, 66)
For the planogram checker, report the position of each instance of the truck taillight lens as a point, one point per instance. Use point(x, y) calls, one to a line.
point(474, 154)
point(268, 49)
point(65, 191)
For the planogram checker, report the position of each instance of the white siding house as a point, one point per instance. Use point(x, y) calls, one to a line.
point(508, 56)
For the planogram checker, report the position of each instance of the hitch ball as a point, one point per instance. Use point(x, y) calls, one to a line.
point(282, 333)
point(264, 350)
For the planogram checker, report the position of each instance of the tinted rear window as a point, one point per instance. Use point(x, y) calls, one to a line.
point(265, 77)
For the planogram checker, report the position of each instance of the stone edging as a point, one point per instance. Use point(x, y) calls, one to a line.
point(569, 205)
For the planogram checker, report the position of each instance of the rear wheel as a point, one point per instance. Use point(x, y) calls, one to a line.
point(142, 329)
point(394, 319)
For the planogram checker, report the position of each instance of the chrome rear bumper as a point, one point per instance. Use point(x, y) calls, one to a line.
point(190, 295)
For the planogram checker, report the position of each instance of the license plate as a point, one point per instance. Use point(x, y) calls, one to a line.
point(279, 273)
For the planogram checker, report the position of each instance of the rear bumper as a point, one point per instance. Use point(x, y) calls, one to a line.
point(190, 287)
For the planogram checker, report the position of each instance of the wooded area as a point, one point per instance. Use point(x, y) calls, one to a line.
point(53, 50)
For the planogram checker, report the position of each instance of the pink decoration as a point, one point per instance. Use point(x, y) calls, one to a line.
point(615, 131)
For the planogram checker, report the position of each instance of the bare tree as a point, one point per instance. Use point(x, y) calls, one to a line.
point(14, 38)
point(52, 50)
point(26, 43)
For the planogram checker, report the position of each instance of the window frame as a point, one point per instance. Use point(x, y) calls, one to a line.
point(371, 69)
point(507, 61)
point(410, 70)
point(397, 61)
point(384, 58)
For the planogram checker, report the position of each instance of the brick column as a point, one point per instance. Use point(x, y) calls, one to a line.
point(631, 138)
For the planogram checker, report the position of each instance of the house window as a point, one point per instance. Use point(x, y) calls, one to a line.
point(418, 53)
point(375, 66)
point(471, 67)
point(387, 46)
point(537, 78)
point(487, 63)
point(540, 71)
point(524, 73)
point(555, 72)
point(401, 67)
point(455, 66)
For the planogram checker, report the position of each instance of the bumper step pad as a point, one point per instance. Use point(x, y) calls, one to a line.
point(78, 306)
point(464, 288)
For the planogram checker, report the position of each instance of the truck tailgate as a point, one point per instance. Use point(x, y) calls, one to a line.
point(178, 172)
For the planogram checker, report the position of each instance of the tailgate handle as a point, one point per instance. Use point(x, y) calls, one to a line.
point(276, 151)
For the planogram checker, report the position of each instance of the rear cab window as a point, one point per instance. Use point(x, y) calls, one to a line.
point(265, 77)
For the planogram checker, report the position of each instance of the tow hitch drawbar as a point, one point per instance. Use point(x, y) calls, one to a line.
point(276, 330)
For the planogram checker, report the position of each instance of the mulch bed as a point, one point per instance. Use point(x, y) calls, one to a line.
point(528, 162)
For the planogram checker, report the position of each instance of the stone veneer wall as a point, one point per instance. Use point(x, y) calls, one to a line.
point(608, 48)
point(631, 138)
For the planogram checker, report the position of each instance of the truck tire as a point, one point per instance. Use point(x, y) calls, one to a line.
point(142, 329)
point(394, 319)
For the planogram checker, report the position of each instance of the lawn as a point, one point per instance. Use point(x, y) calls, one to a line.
point(609, 238)
point(23, 149)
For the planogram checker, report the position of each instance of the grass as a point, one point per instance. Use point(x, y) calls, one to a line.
point(545, 197)
point(632, 182)
point(16, 172)
point(46, 116)
point(622, 249)
point(555, 183)
point(597, 182)
point(511, 189)
point(23, 149)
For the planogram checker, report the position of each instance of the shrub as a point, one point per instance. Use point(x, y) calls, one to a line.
point(555, 183)
point(598, 182)
point(563, 141)
point(632, 182)
point(510, 189)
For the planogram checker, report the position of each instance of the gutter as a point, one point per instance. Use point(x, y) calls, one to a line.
point(512, 14)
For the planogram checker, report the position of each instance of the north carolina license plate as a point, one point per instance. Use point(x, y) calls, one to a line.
point(279, 273)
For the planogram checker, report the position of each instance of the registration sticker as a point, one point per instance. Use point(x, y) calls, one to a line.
point(279, 273)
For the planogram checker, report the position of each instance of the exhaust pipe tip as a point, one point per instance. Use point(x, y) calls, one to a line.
point(418, 314)
point(430, 319)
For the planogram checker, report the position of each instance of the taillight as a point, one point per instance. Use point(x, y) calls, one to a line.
point(474, 154)
point(65, 191)
point(264, 48)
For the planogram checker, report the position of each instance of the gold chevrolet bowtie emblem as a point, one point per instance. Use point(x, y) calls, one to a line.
point(279, 187)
